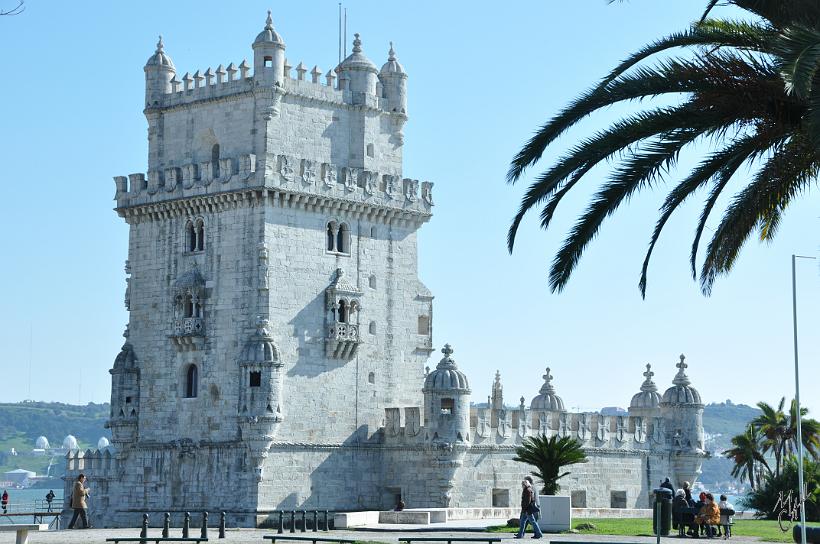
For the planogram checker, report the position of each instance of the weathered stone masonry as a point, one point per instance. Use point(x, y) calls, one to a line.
point(278, 330)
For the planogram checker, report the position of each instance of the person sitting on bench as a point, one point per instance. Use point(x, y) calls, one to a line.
point(709, 514)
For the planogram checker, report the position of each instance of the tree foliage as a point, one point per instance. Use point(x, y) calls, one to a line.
point(750, 89)
point(549, 456)
point(748, 457)
point(764, 500)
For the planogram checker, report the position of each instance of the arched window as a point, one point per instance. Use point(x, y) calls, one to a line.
point(215, 160)
point(190, 237)
point(344, 312)
point(200, 235)
point(343, 239)
point(331, 236)
point(189, 306)
point(191, 382)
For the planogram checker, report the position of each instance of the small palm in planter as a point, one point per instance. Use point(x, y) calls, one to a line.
point(549, 455)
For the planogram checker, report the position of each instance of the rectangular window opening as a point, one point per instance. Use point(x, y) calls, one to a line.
point(501, 498)
point(256, 379)
point(578, 499)
point(447, 406)
point(617, 499)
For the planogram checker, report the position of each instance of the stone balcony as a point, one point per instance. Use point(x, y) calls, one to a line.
point(188, 332)
point(342, 340)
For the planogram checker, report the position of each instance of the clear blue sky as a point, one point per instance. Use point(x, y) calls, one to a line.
point(482, 77)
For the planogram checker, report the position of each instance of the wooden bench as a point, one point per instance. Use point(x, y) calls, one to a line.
point(155, 539)
point(489, 540)
point(314, 539)
point(22, 530)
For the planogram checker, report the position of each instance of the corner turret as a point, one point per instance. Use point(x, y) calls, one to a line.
point(447, 402)
point(357, 73)
point(269, 56)
point(394, 82)
point(159, 71)
point(682, 413)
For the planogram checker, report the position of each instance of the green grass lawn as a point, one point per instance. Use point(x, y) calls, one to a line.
point(766, 530)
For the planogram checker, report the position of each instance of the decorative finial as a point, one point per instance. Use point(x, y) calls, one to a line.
point(357, 44)
point(447, 350)
point(269, 22)
point(497, 376)
point(523, 400)
point(391, 55)
point(160, 45)
point(648, 384)
point(681, 378)
point(547, 388)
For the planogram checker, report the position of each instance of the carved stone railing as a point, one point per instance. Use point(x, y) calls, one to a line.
point(188, 333)
point(342, 340)
point(189, 326)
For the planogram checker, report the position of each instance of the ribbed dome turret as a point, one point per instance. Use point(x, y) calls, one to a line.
point(682, 392)
point(102, 443)
point(392, 65)
point(547, 399)
point(648, 397)
point(70, 443)
point(357, 60)
point(260, 348)
point(160, 58)
point(446, 376)
point(41, 443)
point(269, 35)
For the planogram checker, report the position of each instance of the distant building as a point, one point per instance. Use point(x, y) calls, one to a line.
point(19, 477)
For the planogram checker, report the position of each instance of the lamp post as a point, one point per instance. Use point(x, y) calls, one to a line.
point(800, 493)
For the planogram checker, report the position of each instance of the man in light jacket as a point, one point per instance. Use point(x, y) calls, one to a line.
point(78, 503)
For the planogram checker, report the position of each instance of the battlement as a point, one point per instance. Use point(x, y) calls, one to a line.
point(222, 82)
point(510, 427)
point(355, 188)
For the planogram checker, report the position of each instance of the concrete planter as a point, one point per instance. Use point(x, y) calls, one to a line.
point(556, 514)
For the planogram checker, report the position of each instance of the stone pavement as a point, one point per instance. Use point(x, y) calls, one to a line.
point(248, 536)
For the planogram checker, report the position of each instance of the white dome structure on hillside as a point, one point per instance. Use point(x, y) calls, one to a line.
point(70, 443)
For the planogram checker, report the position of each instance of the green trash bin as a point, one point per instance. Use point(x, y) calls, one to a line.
point(662, 511)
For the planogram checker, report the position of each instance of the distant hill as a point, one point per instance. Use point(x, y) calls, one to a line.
point(22, 423)
point(721, 422)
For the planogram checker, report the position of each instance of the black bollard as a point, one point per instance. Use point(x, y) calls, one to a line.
point(315, 520)
point(293, 521)
point(327, 520)
point(166, 525)
point(222, 525)
point(204, 532)
point(144, 530)
point(304, 521)
point(281, 527)
point(186, 525)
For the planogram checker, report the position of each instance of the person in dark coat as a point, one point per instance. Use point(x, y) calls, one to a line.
point(666, 484)
point(49, 498)
point(4, 501)
point(678, 505)
point(528, 510)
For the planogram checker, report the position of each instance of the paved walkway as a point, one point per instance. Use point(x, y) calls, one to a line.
point(248, 536)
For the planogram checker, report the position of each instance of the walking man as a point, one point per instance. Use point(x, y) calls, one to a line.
point(529, 509)
point(78, 496)
point(49, 498)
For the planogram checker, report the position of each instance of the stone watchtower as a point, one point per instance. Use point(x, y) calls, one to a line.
point(682, 413)
point(272, 287)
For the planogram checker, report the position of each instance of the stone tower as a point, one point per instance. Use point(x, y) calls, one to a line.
point(272, 281)
point(682, 413)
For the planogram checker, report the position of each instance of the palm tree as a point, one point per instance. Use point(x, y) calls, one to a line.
point(751, 90)
point(810, 431)
point(747, 456)
point(774, 427)
point(549, 455)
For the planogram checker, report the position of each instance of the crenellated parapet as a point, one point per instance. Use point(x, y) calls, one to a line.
point(318, 182)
